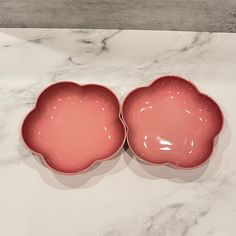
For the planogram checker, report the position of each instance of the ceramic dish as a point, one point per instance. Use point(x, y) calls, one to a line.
point(73, 126)
point(170, 122)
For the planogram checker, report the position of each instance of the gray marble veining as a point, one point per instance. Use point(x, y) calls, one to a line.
point(121, 196)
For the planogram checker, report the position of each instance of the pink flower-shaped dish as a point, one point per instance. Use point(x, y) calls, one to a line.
point(73, 126)
point(170, 122)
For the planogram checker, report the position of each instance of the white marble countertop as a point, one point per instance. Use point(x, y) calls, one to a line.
point(120, 196)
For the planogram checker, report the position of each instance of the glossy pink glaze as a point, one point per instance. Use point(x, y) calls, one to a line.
point(171, 122)
point(73, 126)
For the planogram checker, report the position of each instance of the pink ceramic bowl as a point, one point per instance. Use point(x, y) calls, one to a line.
point(170, 122)
point(73, 126)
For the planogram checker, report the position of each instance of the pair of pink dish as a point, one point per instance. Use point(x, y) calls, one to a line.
point(169, 122)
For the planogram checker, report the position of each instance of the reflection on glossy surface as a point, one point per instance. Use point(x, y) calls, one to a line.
point(171, 122)
point(73, 126)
